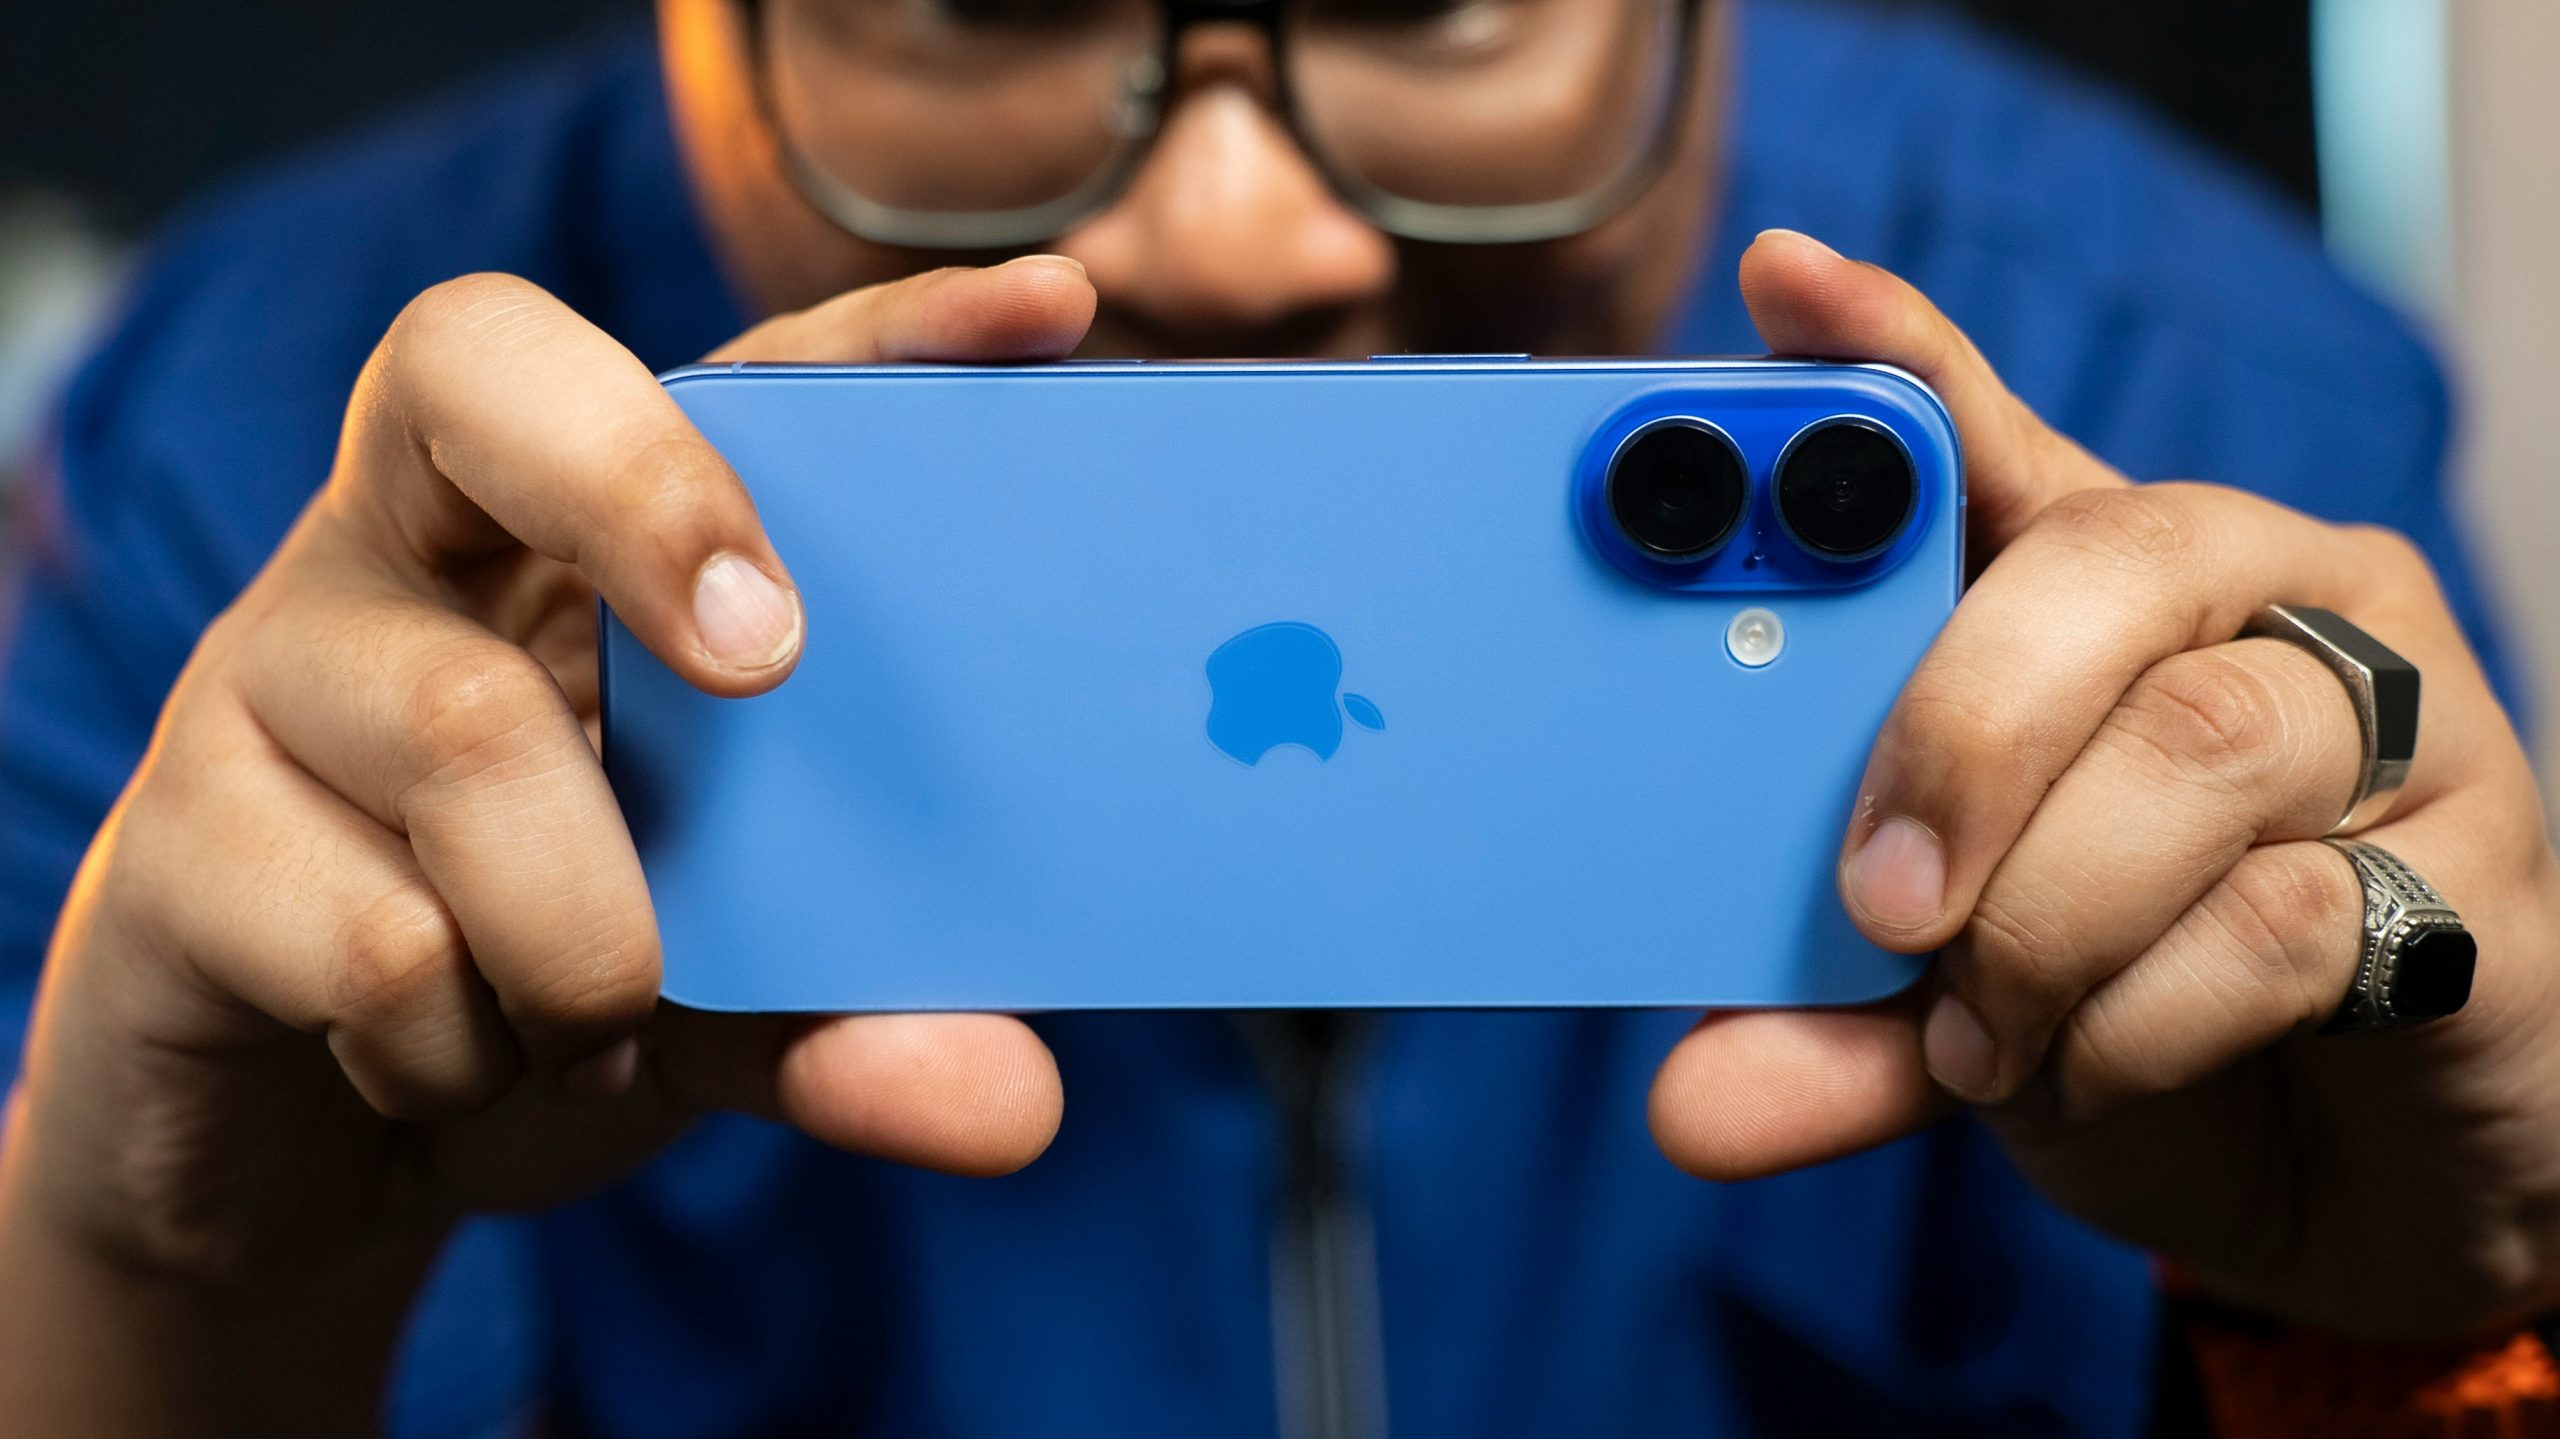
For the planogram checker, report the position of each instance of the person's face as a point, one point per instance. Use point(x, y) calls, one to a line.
point(1226, 241)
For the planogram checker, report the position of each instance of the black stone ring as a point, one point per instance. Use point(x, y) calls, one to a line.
point(2417, 958)
point(2382, 686)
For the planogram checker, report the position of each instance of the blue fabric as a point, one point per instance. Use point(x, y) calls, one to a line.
point(1541, 1269)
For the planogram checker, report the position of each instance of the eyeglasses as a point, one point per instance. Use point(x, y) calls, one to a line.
point(990, 124)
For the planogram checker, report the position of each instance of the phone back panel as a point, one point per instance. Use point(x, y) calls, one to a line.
point(1004, 777)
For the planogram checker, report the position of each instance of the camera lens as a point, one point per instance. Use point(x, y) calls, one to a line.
point(1845, 489)
point(1676, 490)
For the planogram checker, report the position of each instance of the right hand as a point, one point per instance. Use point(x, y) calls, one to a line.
point(364, 946)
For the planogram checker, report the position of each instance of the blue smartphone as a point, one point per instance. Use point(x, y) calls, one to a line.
point(1429, 681)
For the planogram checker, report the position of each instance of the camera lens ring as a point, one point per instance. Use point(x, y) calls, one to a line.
point(1823, 525)
point(1687, 493)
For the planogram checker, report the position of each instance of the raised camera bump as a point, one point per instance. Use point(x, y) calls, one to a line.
point(1846, 489)
point(1677, 489)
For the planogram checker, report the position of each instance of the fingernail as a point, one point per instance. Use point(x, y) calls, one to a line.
point(746, 620)
point(1958, 1049)
point(603, 1076)
point(1800, 235)
point(1068, 261)
point(1899, 876)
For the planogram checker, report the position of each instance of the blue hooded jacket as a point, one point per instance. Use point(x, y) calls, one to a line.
point(1424, 1224)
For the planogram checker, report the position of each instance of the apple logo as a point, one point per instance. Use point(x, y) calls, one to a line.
point(1275, 685)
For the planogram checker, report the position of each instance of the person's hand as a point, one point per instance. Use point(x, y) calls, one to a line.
point(365, 945)
point(2105, 807)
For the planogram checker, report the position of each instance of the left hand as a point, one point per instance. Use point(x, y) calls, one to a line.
point(2105, 808)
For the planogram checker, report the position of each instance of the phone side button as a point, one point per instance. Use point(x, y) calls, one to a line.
point(1446, 359)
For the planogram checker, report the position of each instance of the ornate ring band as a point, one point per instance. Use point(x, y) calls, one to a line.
point(2417, 957)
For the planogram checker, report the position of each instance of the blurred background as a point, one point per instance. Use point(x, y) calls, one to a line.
point(2424, 133)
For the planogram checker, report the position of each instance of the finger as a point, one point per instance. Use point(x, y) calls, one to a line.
point(492, 415)
point(963, 1093)
point(1037, 307)
point(316, 916)
point(1807, 299)
point(2102, 587)
point(2210, 753)
point(462, 743)
point(1750, 1093)
point(2270, 950)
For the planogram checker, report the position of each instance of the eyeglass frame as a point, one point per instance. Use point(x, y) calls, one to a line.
point(1420, 220)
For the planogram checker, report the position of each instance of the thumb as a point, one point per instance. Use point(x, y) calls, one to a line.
point(1036, 307)
point(1807, 299)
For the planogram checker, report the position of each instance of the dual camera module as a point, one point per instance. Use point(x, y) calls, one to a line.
point(1678, 490)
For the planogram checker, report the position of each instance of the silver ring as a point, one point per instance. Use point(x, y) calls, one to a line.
point(2418, 957)
point(2382, 686)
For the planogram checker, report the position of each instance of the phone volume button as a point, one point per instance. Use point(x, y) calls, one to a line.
point(1477, 359)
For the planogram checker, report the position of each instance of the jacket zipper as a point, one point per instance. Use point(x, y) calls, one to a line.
point(1327, 1354)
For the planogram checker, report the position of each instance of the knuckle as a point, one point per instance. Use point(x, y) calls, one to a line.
point(446, 327)
point(924, 280)
point(612, 986)
point(398, 956)
point(170, 793)
point(2015, 946)
point(459, 306)
point(2204, 714)
point(2389, 552)
point(227, 636)
point(2282, 909)
point(2393, 566)
point(412, 1098)
point(2104, 1060)
point(421, 1072)
point(656, 489)
point(130, 878)
point(185, 800)
point(1964, 723)
point(2135, 527)
point(2517, 831)
point(474, 709)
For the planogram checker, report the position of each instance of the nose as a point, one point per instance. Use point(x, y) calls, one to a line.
point(1227, 234)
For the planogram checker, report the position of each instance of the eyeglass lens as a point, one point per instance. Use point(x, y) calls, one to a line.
point(993, 105)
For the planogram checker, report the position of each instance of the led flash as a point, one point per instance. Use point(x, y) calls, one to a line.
point(1754, 638)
